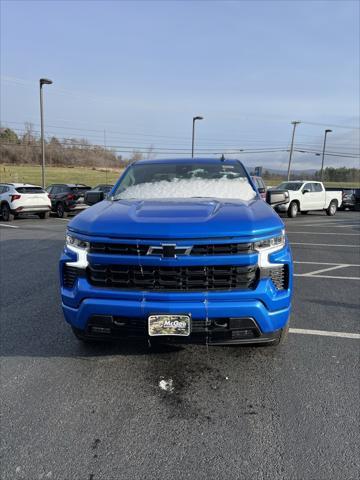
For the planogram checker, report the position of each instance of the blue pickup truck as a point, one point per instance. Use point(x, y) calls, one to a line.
point(180, 250)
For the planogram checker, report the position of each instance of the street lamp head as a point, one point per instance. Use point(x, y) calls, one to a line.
point(198, 118)
point(45, 81)
point(328, 130)
point(295, 122)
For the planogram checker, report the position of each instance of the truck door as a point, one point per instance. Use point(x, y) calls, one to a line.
point(308, 201)
point(319, 196)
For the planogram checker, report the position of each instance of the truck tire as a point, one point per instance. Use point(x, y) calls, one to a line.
point(6, 214)
point(293, 210)
point(60, 210)
point(331, 210)
point(44, 215)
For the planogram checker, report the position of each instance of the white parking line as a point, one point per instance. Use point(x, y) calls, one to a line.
point(332, 224)
point(333, 266)
point(8, 226)
point(327, 263)
point(304, 275)
point(324, 233)
point(328, 269)
point(325, 245)
point(324, 333)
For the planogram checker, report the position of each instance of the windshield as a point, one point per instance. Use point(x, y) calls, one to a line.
point(290, 186)
point(185, 180)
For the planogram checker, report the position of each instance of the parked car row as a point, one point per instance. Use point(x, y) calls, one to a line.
point(60, 198)
point(64, 199)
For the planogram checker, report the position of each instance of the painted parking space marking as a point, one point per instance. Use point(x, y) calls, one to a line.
point(327, 263)
point(305, 275)
point(322, 270)
point(329, 267)
point(324, 333)
point(8, 226)
point(325, 233)
point(325, 245)
point(332, 224)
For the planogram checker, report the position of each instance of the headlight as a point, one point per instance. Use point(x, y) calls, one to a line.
point(76, 242)
point(273, 243)
point(268, 246)
point(80, 247)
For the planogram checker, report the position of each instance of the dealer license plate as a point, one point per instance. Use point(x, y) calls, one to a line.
point(174, 325)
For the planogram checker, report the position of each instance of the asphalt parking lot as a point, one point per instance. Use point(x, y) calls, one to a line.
point(74, 412)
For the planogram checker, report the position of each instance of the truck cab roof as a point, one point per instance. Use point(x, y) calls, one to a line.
point(184, 161)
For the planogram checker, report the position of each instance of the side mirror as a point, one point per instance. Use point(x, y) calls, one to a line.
point(93, 197)
point(305, 191)
point(277, 197)
point(262, 190)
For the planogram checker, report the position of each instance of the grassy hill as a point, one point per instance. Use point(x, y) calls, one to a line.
point(32, 174)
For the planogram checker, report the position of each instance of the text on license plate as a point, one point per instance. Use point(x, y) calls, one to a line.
point(178, 325)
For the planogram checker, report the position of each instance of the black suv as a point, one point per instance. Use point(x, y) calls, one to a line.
point(350, 198)
point(67, 198)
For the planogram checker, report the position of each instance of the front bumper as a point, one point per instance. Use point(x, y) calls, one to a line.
point(224, 322)
point(217, 316)
point(282, 208)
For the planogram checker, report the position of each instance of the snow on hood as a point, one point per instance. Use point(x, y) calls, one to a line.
point(237, 188)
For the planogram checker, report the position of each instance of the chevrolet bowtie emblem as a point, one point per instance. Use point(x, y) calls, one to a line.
point(168, 250)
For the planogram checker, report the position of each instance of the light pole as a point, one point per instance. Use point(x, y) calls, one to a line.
point(292, 147)
point(43, 81)
point(193, 134)
point(323, 154)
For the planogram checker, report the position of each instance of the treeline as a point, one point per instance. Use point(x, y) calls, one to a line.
point(341, 174)
point(283, 175)
point(26, 149)
point(331, 174)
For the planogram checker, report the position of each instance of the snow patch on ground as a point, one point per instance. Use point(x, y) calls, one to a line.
point(237, 188)
point(167, 385)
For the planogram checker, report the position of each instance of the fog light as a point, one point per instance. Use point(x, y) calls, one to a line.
point(221, 322)
point(101, 330)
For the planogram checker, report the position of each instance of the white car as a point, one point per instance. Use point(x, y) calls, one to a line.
point(305, 195)
point(16, 198)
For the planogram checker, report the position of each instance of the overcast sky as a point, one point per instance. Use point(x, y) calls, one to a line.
point(141, 70)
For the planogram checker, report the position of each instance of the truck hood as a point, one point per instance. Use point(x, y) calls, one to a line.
point(177, 218)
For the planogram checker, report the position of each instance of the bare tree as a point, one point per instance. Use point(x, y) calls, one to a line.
point(150, 154)
point(135, 156)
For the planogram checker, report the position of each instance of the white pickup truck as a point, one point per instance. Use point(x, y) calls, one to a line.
point(305, 195)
